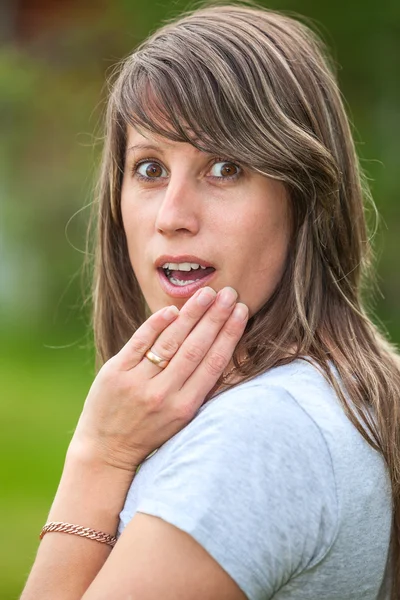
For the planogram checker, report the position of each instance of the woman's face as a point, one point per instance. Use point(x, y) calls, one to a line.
point(182, 208)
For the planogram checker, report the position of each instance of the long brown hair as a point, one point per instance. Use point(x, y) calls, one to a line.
point(258, 87)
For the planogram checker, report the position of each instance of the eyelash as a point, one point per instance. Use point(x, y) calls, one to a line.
point(214, 177)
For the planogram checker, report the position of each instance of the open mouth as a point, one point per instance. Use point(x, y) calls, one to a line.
point(182, 277)
point(185, 279)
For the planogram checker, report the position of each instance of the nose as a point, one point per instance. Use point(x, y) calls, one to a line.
point(179, 209)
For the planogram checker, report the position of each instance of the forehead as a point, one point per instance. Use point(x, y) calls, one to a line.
point(143, 140)
point(137, 137)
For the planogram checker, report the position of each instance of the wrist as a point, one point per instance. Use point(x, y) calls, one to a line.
point(92, 455)
point(90, 493)
point(99, 455)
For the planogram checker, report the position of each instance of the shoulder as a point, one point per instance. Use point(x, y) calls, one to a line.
point(254, 441)
point(250, 479)
point(263, 424)
point(280, 389)
point(294, 398)
point(281, 402)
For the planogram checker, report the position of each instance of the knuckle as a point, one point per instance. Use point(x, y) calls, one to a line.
point(193, 354)
point(216, 317)
point(112, 379)
point(138, 345)
point(156, 400)
point(167, 347)
point(215, 363)
point(108, 371)
point(191, 312)
point(184, 413)
point(231, 332)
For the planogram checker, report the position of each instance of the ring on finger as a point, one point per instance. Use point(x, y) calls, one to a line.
point(156, 360)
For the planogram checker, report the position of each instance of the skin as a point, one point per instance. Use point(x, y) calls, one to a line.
point(241, 226)
point(132, 407)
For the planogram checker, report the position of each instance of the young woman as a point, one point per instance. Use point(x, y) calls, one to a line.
point(263, 398)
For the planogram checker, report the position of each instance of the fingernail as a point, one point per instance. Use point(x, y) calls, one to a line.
point(206, 296)
point(170, 312)
point(240, 312)
point(227, 297)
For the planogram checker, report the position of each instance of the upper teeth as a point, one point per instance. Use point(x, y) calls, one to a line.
point(182, 266)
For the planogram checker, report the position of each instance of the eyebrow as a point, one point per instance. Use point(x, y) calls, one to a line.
point(144, 146)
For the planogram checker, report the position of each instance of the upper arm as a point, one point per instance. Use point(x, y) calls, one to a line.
point(154, 560)
point(244, 499)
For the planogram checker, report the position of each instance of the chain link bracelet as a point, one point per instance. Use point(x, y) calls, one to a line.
point(99, 536)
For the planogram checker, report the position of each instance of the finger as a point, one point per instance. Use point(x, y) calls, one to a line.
point(217, 358)
point(171, 339)
point(199, 341)
point(134, 350)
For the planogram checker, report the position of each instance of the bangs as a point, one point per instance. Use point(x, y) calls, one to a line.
point(180, 104)
point(229, 89)
point(204, 91)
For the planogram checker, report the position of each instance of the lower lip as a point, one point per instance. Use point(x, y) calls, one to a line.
point(184, 291)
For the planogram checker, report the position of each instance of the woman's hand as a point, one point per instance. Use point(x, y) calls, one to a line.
point(133, 405)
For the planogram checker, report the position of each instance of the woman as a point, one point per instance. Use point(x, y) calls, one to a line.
point(231, 209)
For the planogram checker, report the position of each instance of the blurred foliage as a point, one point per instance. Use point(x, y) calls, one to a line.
point(52, 94)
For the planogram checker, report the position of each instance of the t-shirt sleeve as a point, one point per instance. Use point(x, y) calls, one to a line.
point(251, 480)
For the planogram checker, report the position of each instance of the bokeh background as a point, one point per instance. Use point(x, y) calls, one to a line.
point(55, 57)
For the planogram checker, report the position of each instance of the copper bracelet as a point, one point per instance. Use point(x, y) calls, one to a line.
point(99, 536)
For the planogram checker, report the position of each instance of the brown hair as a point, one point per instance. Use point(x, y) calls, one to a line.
point(257, 86)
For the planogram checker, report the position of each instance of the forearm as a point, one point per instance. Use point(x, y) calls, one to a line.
point(90, 495)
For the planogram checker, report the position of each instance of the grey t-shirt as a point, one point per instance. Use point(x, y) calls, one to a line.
point(274, 481)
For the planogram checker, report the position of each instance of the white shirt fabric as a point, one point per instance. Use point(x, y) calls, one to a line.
point(279, 487)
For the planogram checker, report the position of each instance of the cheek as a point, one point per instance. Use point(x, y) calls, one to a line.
point(267, 236)
point(262, 257)
point(134, 240)
point(135, 223)
point(131, 233)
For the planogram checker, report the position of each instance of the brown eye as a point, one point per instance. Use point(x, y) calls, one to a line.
point(149, 170)
point(229, 170)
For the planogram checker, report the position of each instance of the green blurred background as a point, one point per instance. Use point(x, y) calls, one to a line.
point(54, 60)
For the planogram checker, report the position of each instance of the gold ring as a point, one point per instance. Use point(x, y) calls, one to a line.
point(156, 360)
